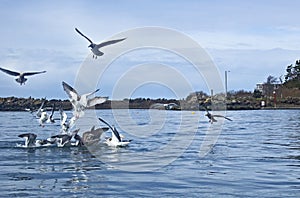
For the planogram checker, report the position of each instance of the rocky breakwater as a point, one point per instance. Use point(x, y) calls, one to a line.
point(23, 104)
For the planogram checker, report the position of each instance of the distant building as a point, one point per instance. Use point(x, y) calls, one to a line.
point(265, 88)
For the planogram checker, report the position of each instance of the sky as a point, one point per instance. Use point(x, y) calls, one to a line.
point(249, 39)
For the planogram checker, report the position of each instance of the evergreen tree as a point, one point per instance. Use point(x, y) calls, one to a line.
point(289, 74)
point(292, 77)
point(257, 93)
point(293, 72)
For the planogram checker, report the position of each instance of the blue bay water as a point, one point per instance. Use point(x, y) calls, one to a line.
point(256, 155)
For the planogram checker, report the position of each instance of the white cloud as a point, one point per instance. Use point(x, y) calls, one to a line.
point(236, 40)
point(240, 36)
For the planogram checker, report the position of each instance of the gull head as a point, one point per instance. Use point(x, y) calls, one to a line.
point(92, 45)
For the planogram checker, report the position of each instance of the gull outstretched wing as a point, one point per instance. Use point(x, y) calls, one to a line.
point(72, 93)
point(33, 73)
point(13, 73)
point(110, 42)
point(97, 100)
point(84, 36)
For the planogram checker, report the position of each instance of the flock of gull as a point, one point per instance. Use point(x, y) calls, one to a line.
point(67, 136)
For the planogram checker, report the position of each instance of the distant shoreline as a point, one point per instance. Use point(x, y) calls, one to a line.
point(23, 104)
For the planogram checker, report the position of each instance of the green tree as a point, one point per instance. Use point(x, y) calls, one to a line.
point(257, 93)
point(297, 70)
point(293, 72)
point(289, 73)
point(292, 77)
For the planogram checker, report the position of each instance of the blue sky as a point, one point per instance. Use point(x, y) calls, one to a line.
point(251, 39)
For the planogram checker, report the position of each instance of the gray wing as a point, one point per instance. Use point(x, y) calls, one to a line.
point(39, 111)
point(227, 118)
point(52, 112)
point(63, 116)
point(104, 129)
point(84, 36)
point(32, 73)
point(98, 132)
point(97, 100)
point(65, 138)
point(27, 135)
point(13, 73)
point(220, 116)
point(93, 135)
point(110, 42)
point(31, 137)
point(72, 93)
point(89, 94)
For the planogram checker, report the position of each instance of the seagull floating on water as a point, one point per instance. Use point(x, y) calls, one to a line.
point(116, 139)
point(21, 75)
point(212, 117)
point(65, 139)
point(95, 48)
point(81, 102)
point(43, 116)
point(93, 136)
point(62, 139)
point(30, 110)
point(31, 141)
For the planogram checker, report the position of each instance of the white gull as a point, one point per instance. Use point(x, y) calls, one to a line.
point(95, 48)
point(116, 139)
point(81, 102)
point(21, 75)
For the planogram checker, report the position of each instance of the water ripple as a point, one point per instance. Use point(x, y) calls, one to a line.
point(256, 155)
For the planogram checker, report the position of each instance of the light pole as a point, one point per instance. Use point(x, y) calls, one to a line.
point(274, 96)
point(226, 83)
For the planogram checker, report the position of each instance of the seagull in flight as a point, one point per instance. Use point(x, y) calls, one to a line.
point(50, 118)
point(116, 139)
point(21, 75)
point(95, 48)
point(81, 102)
point(40, 109)
point(212, 117)
point(41, 115)
point(35, 110)
point(44, 117)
